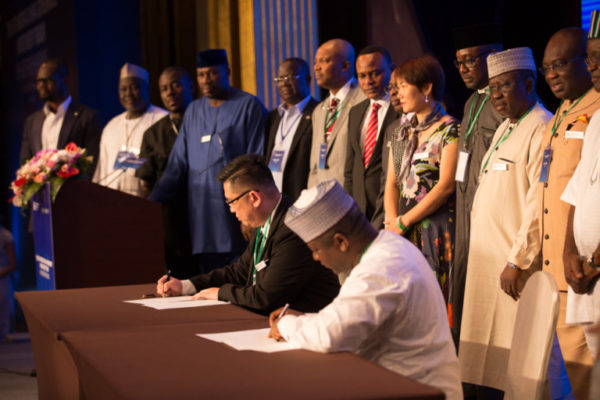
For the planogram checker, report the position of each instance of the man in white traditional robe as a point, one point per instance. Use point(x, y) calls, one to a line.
point(122, 136)
point(390, 309)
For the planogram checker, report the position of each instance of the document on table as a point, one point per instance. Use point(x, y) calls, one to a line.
point(254, 339)
point(166, 303)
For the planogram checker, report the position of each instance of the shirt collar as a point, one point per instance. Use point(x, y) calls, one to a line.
point(485, 90)
point(383, 101)
point(282, 108)
point(62, 108)
point(343, 92)
point(262, 227)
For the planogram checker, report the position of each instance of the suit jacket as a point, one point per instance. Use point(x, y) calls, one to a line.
point(295, 173)
point(291, 275)
point(337, 145)
point(81, 125)
point(363, 183)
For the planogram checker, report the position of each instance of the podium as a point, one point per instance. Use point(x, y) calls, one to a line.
point(95, 236)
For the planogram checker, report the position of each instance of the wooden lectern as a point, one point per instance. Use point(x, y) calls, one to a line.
point(99, 237)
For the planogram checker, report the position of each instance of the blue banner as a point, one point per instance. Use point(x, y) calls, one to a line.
point(41, 206)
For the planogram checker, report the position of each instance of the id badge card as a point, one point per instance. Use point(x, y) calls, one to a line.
point(261, 265)
point(275, 161)
point(546, 160)
point(500, 167)
point(461, 165)
point(574, 135)
point(322, 156)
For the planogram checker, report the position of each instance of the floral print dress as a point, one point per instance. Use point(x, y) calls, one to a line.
point(434, 235)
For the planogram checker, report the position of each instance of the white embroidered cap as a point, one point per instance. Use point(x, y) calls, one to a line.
point(134, 71)
point(519, 58)
point(318, 209)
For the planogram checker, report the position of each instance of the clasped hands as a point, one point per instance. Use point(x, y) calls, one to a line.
point(173, 287)
point(580, 275)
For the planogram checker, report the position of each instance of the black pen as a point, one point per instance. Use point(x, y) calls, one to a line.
point(166, 280)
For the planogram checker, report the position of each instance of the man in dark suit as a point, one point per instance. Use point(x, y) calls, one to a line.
point(277, 267)
point(367, 123)
point(289, 135)
point(61, 120)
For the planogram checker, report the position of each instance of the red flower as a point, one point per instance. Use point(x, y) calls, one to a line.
point(71, 147)
point(19, 182)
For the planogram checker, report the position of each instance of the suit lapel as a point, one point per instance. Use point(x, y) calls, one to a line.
point(38, 122)
point(70, 116)
point(343, 117)
point(390, 116)
point(304, 125)
point(273, 133)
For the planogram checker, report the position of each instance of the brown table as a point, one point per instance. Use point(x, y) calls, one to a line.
point(89, 344)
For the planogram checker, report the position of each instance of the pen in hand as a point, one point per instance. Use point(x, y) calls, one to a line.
point(285, 308)
point(164, 294)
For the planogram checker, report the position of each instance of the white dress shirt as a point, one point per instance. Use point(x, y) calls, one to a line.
point(384, 104)
point(53, 123)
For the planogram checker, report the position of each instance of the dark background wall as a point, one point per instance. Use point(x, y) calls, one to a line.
point(96, 37)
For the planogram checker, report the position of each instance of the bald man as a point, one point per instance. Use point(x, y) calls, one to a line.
point(334, 71)
point(565, 71)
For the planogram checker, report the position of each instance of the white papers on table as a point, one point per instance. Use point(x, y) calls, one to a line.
point(165, 303)
point(254, 339)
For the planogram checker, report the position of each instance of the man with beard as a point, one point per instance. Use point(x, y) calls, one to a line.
point(61, 120)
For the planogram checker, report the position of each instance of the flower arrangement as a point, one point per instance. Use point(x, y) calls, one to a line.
point(48, 166)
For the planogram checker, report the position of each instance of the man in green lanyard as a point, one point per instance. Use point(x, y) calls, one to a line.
point(565, 71)
point(504, 241)
point(276, 268)
point(480, 120)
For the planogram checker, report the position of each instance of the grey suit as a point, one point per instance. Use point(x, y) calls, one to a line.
point(337, 144)
point(362, 183)
point(81, 125)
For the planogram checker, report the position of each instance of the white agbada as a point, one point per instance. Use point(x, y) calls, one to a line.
point(583, 192)
point(390, 310)
point(122, 134)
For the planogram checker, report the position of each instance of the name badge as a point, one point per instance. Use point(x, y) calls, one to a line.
point(546, 160)
point(461, 165)
point(388, 144)
point(128, 159)
point(421, 156)
point(261, 265)
point(205, 138)
point(275, 162)
point(573, 134)
point(322, 156)
point(500, 167)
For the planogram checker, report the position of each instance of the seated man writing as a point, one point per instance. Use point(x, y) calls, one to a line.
point(390, 309)
point(276, 268)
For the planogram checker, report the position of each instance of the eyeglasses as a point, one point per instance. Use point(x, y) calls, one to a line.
point(557, 66)
point(286, 79)
point(232, 201)
point(503, 88)
point(469, 62)
point(391, 88)
point(592, 61)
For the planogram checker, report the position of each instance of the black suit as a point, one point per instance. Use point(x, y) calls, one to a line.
point(291, 275)
point(364, 183)
point(81, 125)
point(295, 173)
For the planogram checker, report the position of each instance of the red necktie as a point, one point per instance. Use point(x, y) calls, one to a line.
point(332, 116)
point(371, 136)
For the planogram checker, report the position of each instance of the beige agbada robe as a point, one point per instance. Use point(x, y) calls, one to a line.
point(502, 231)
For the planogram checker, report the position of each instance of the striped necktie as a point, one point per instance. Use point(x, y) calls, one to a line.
point(371, 136)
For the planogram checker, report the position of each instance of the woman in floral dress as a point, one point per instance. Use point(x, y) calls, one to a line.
point(419, 191)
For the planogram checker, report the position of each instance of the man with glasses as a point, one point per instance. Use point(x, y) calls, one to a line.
point(367, 121)
point(223, 124)
point(276, 268)
point(504, 244)
point(61, 120)
point(565, 71)
point(289, 135)
point(480, 120)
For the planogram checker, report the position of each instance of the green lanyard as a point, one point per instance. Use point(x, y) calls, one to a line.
point(364, 251)
point(558, 121)
point(503, 138)
point(329, 123)
point(471, 123)
point(258, 250)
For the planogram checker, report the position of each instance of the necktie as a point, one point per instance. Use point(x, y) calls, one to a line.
point(371, 136)
point(332, 116)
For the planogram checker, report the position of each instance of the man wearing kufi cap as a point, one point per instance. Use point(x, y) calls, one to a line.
point(122, 136)
point(390, 309)
point(474, 43)
point(582, 243)
point(504, 231)
point(223, 124)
